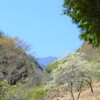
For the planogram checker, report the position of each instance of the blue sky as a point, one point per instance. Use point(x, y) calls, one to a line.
point(40, 24)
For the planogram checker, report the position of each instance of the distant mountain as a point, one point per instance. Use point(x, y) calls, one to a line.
point(45, 61)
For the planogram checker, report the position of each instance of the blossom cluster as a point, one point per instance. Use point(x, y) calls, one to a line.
point(73, 68)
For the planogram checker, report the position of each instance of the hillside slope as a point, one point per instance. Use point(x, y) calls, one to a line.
point(92, 53)
point(16, 64)
point(85, 95)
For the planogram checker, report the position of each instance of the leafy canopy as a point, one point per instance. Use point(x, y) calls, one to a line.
point(86, 14)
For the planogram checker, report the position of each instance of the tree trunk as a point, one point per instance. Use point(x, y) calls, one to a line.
point(90, 84)
point(72, 91)
point(91, 87)
point(80, 90)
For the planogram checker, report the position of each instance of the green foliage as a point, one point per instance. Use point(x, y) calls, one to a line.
point(52, 66)
point(35, 93)
point(3, 89)
point(87, 15)
point(20, 91)
point(14, 92)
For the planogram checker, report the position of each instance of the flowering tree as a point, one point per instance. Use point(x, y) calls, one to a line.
point(72, 73)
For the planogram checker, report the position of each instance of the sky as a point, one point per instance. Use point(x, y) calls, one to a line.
point(40, 24)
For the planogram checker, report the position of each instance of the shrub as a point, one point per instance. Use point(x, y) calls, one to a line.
point(35, 93)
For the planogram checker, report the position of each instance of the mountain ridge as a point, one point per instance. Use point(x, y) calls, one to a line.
point(45, 61)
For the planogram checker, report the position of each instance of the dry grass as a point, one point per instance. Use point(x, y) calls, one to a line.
point(85, 95)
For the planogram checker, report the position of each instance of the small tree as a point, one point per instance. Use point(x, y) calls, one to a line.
point(72, 72)
point(19, 44)
point(2, 35)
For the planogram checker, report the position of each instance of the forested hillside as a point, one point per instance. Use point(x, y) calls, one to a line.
point(16, 66)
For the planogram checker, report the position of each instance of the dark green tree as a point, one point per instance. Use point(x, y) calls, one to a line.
point(86, 14)
point(2, 35)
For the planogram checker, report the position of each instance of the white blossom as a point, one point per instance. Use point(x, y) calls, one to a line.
point(70, 69)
